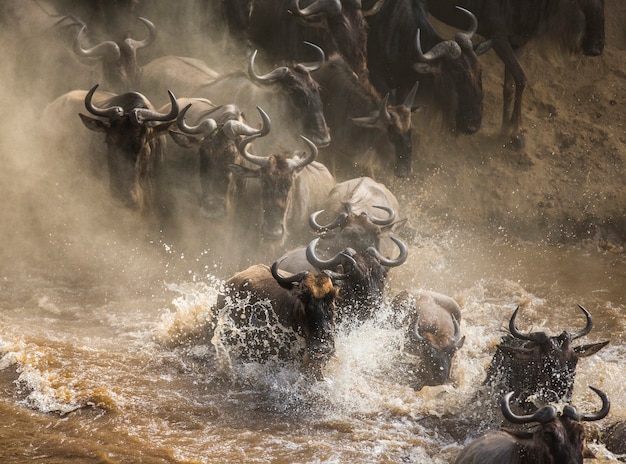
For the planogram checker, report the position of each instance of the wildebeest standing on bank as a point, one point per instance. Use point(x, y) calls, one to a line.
point(433, 333)
point(264, 314)
point(536, 366)
point(559, 438)
point(511, 24)
point(368, 133)
point(448, 72)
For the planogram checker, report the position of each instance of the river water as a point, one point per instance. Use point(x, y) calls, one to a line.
point(95, 365)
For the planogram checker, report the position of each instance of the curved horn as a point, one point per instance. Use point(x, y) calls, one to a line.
point(317, 227)
point(343, 258)
point(473, 26)
point(233, 128)
point(383, 112)
point(317, 64)
point(107, 50)
point(286, 280)
point(446, 49)
point(601, 414)
point(404, 253)
point(537, 337)
point(457, 328)
point(587, 328)
point(205, 127)
point(410, 98)
point(329, 7)
point(152, 33)
point(299, 163)
point(543, 415)
point(141, 116)
point(265, 78)
point(375, 9)
point(383, 222)
point(114, 112)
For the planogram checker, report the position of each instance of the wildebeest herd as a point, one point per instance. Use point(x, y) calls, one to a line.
point(286, 148)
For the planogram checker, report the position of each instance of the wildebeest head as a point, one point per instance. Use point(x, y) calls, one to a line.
point(395, 120)
point(214, 136)
point(302, 92)
point(363, 288)
point(134, 144)
point(457, 77)
point(316, 316)
point(433, 332)
point(539, 367)
point(346, 25)
point(120, 68)
point(276, 174)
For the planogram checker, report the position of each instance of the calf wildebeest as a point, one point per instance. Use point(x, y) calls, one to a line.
point(267, 314)
point(432, 321)
point(135, 145)
point(367, 131)
point(449, 72)
point(511, 24)
point(558, 439)
point(536, 366)
point(287, 190)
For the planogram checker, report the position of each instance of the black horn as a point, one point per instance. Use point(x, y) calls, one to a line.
point(404, 252)
point(136, 44)
point(543, 415)
point(265, 78)
point(344, 258)
point(107, 50)
point(141, 116)
point(329, 7)
point(537, 337)
point(587, 328)
point(391, 216)
point(446, 49)
point(317, 227)
point(114, 112)
point(297, 162)
point(287, 281)
point(206, 126)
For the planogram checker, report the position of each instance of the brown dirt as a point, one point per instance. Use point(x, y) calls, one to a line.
point(568, 181)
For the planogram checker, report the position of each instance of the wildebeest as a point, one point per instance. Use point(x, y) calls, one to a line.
point(135, 145)
point(287, 190)
point(267, 314)
point(214, 135)
point(120, 69)
point(511, 24)
point(559, 437)
point(449, 72)
point(367, 131)
point(358, 219)
point(288, 93)
point(432, 321)
point(278, 28)
point(536, 366)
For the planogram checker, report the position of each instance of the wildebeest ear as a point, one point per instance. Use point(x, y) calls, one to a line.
point(94, 124)
point(243, 171)
point(521, 354)
point(184, 140)
point(587, 350)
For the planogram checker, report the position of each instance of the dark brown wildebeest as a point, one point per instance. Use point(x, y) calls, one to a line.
point(285, 191)
point(288, 93)
point(214, 136)
point(278, 27)
point(367, 130)
point(536, 366)
point(264, 314)
point(614, 438)
point(511, 24)
point(135, 145)
point(433, 332)
point(558, 439)
point(449, 72)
